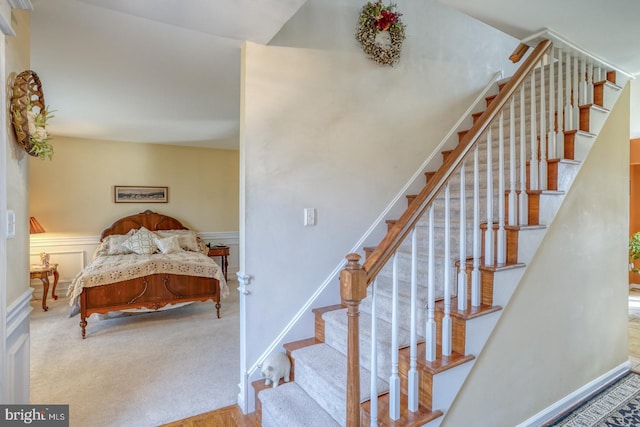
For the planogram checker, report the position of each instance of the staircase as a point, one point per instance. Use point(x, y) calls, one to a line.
point(420, 308)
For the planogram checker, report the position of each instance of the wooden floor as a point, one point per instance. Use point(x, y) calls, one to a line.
point(232, 416)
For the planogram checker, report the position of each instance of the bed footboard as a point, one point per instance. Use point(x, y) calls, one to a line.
point(151, 292)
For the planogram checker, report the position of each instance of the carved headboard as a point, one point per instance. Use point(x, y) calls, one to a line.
point(150, 220)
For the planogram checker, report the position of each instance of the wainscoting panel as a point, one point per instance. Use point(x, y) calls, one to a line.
point(18, 345)
point(69, 262)
point(70, 253)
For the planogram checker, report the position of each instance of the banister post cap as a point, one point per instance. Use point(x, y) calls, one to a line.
point(353, 280)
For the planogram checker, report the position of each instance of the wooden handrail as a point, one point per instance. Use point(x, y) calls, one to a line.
point(396, 235)
point(517, 54)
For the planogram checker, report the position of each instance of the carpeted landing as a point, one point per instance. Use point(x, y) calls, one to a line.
point(136, 370)
point(616, 406)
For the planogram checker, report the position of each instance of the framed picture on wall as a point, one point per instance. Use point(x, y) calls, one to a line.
point(140, 194)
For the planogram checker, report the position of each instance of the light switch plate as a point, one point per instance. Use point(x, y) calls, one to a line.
point(11, 224)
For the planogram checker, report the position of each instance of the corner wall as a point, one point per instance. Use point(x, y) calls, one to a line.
point(566, 323)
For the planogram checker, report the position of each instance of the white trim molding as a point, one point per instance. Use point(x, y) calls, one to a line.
point(246, 400)
point(5, 14)
point(580, 394)
point(36, 242)
point(3, 229)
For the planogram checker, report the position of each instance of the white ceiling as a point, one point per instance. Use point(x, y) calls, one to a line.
point(168, 71)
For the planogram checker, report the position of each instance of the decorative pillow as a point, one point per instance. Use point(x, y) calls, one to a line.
point(142, 242)
point(168, 245)
point(202, 246)
point(188, 238)
point(115, 243)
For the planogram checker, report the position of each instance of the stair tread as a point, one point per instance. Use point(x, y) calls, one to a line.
point(471, 312)
point(294, 345)
point(321, 371)
point(441, 364)
point(289, 404)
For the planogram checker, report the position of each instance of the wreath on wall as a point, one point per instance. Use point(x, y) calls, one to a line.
point(29, 115)
point(381, 32)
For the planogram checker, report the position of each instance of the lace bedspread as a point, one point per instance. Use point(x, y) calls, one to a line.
point(104, 270)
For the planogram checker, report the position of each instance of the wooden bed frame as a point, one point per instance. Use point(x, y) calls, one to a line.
point(151, 292)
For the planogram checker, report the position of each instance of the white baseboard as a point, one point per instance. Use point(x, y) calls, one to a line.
point(572, 399)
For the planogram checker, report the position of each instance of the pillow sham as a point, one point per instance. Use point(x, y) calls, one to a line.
point(188, 238)
point(168, 245)
point(113, 244)
point(142, 242)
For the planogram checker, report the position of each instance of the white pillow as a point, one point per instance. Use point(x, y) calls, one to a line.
point(142, 242)
point(188, 238)
point(168, 245)
point(115, 243)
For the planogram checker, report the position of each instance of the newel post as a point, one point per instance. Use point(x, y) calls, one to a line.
point(353, 289)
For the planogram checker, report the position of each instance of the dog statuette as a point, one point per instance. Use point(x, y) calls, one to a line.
point(274, 367)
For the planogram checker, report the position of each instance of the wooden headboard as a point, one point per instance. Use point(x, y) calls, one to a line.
point(150, 220)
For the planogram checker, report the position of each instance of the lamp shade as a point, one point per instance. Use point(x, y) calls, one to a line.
point(34, 226)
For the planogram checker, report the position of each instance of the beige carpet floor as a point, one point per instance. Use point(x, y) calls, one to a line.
point(136, 370)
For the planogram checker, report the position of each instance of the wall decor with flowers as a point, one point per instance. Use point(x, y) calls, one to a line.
point(381, 32)
point(29, 115)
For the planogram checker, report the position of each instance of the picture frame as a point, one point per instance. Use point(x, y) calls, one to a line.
point(140, 194)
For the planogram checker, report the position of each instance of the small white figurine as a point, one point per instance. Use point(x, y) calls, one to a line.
point(274, 367)
point(44, 258)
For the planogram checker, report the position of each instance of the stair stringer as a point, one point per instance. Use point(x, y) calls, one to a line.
point(552, 202)
point(478, 330)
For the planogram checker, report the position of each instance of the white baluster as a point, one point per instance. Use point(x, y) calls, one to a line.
point(542, 185)
point(568, 108)
point(374, 357)
point(583, 82)
point(446, 319)
point(590, 81)
point(430, 346)
point(513, 197)
point(551, 135)
point(560, 104)
point(533, 164)
point(523, 199)
point(575, 102)
point(488, 235)
point(476, 296)
point(412, 375)
point(462, 275)
point(394, 379)
point(501, 236)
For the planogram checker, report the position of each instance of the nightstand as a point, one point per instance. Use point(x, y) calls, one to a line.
point(223, 253)
point(42, 272)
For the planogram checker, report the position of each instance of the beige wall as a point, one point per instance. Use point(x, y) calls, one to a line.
point(73, 193)
point(17, 56)
point(566, 323)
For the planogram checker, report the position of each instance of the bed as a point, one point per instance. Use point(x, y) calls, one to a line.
point(146, 261)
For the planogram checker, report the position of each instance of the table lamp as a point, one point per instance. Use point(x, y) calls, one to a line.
point(34, 226)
